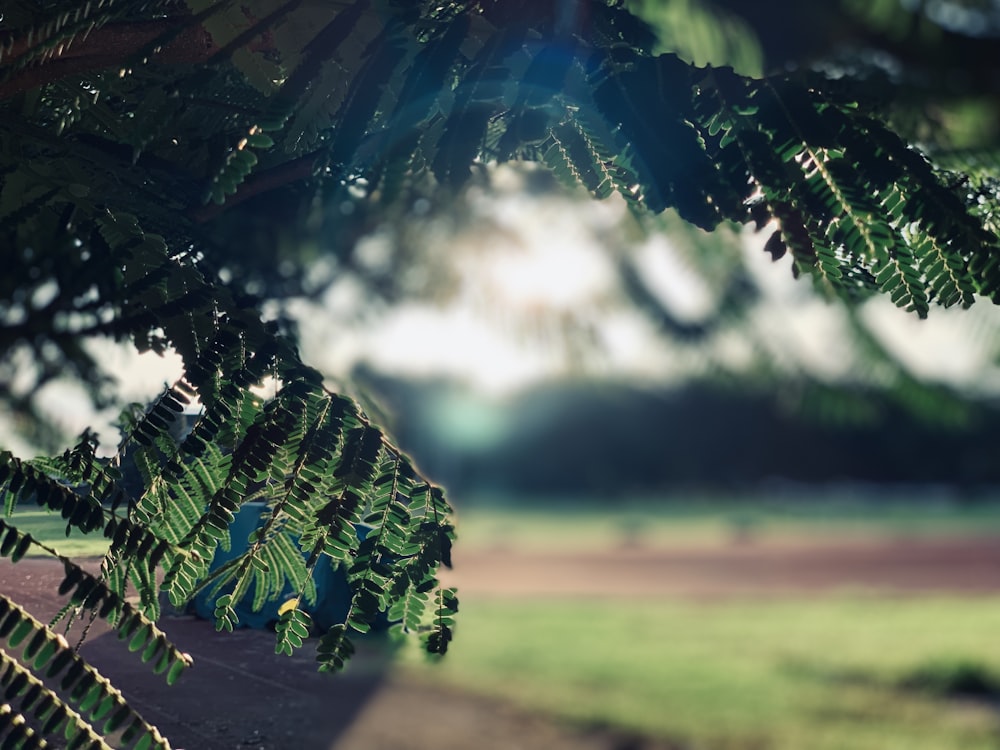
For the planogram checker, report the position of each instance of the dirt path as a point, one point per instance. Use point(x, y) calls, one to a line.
point(241, 695)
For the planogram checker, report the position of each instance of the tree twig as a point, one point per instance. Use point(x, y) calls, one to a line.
point(284, 174)
point(108, 47)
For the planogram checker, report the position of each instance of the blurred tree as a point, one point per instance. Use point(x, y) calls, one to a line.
point(168, 166)
point(940, 57)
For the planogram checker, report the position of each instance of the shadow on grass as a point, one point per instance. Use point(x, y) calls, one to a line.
point(952, 678)
point(940, 677)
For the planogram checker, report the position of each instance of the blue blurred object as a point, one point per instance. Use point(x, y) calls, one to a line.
point(333, 594)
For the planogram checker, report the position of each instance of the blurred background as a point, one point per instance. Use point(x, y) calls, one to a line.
point(700, 504)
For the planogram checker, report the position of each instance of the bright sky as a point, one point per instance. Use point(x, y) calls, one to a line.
point(546, 273)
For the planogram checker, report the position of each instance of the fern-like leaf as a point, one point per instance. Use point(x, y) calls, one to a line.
point(55, 690)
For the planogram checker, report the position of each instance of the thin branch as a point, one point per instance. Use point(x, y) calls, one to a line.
point(284, 174)
point(109, 47)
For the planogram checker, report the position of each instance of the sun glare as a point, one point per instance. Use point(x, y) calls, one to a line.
point(546, 258)
point(543, 277)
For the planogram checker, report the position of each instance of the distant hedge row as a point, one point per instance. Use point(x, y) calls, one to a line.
point(585, 437)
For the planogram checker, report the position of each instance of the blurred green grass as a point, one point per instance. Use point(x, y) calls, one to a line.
point(828, 673)
point(574, 524)
point(50, 528)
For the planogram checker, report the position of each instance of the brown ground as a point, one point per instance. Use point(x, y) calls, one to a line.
point(240, 695)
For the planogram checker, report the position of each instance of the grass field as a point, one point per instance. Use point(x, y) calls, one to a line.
point(827, 674)
point(50, 528)
point(568, 523)
point(844, 672)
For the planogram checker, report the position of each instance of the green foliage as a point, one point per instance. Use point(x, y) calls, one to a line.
point(293, 628)
point(50, 691)
point(129, 176)
point(87, 593)
point(701, 34)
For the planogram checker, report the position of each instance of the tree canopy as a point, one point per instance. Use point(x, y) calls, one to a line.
point(158, 155)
